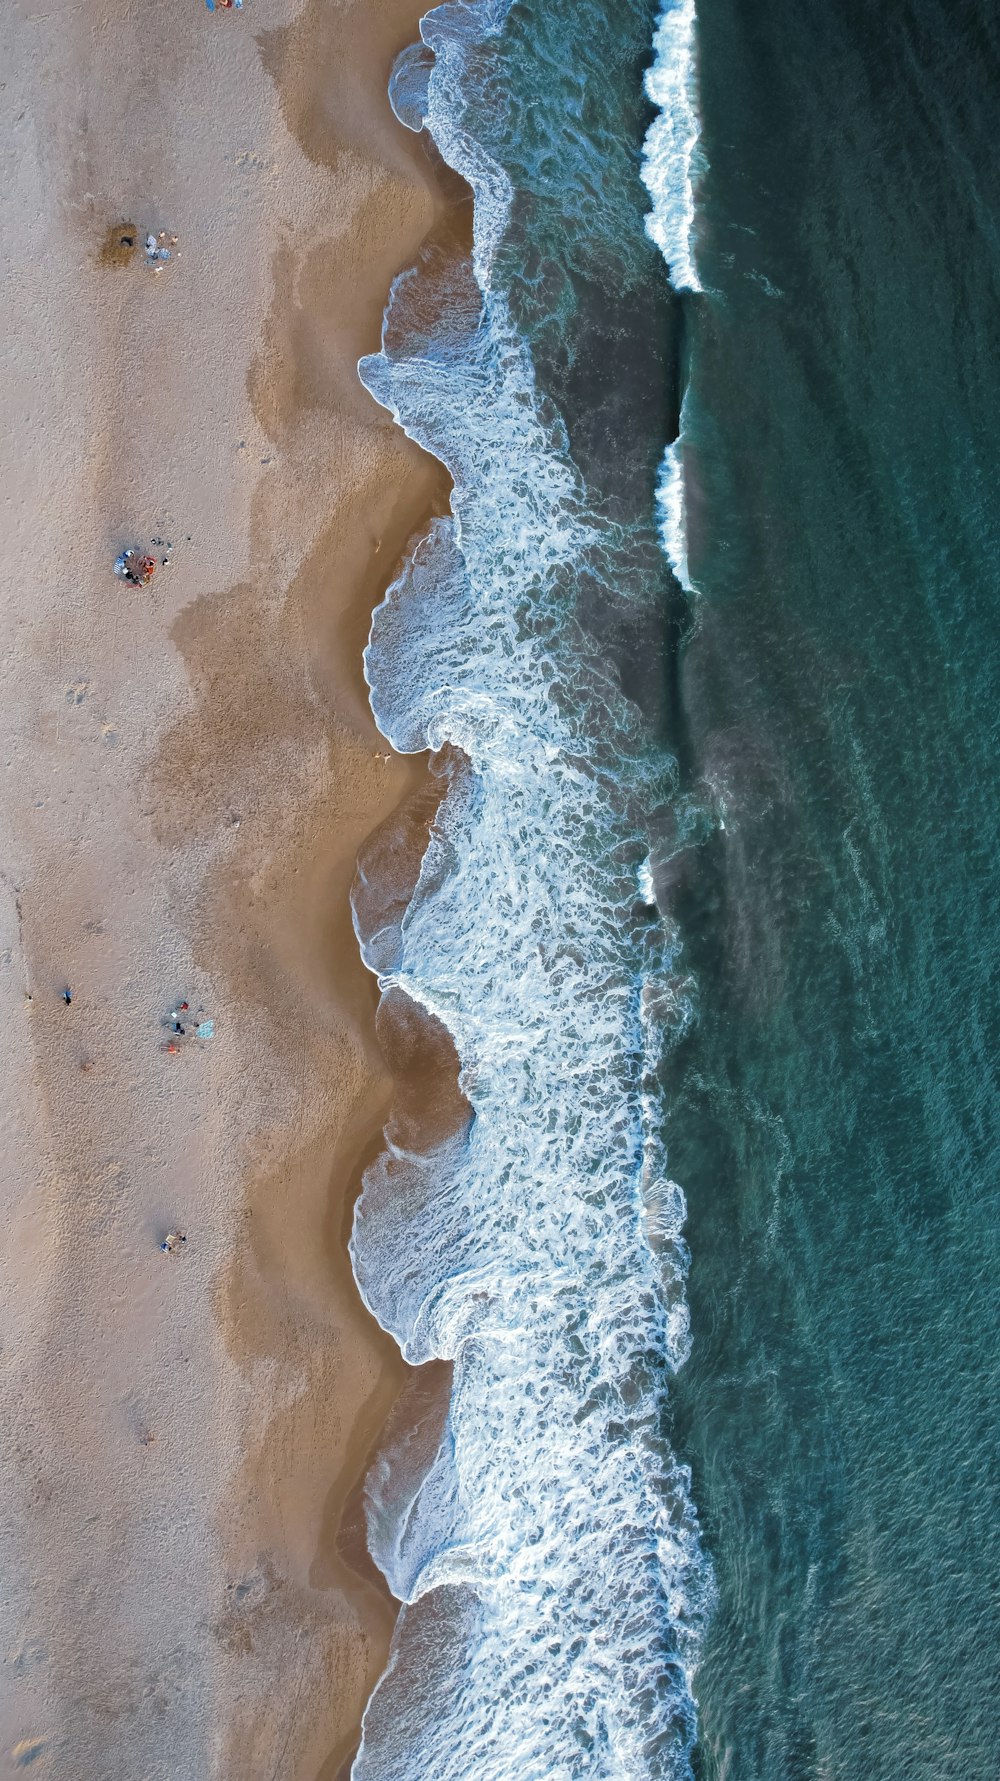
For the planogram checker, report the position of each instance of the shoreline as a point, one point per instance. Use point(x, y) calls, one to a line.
point(184, 1591)
point(354, 1373)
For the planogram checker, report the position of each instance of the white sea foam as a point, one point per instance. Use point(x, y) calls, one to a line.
point(408, 86)
point(671, 152)
point(547, 1549)
point(671, 511)
point(670, 162)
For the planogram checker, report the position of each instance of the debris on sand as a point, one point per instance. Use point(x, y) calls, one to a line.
point(176, 1017)
point(226, 5)
point(158, 249)
point(124, 241)
point(185, 1025)
point(135, 567)
point(172, 1242)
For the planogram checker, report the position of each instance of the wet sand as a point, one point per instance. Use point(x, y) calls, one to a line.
point(189, 773)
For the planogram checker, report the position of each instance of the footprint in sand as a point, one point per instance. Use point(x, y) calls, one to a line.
point(29, 1656)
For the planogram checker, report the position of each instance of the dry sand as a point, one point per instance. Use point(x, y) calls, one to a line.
point(188, 773)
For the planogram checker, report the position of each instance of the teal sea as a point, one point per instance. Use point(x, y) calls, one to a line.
point(834, 1115)
point(711, 908)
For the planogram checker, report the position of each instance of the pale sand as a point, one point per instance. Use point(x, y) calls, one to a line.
point(188, 773)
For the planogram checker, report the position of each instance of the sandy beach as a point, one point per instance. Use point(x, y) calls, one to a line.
point(190, 770)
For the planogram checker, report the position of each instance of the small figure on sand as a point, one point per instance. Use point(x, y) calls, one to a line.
point(225, 4)
point(172, 1242)
point(67, 995)
point(135, 567)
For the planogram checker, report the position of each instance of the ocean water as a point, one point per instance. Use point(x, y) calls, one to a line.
point(834, 1115)
point(705, 657)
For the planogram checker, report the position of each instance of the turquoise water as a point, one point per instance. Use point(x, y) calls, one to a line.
point(834, 1117)
point(717, 867)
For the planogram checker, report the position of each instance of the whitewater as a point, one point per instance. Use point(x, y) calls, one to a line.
point(671, 162)
point(546, 1548)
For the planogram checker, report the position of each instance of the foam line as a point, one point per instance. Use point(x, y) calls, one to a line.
point(548, 1551)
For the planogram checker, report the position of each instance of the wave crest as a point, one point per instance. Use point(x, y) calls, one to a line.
point(671, 153)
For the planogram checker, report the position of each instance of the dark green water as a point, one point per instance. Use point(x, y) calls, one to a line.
point(834, 1117)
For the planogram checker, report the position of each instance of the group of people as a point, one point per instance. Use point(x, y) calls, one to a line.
point(136, 567)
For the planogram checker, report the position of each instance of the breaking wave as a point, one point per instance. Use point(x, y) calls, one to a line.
point(545, 1546)
point(669, 165)
point(669, 160)
point(670, 507)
